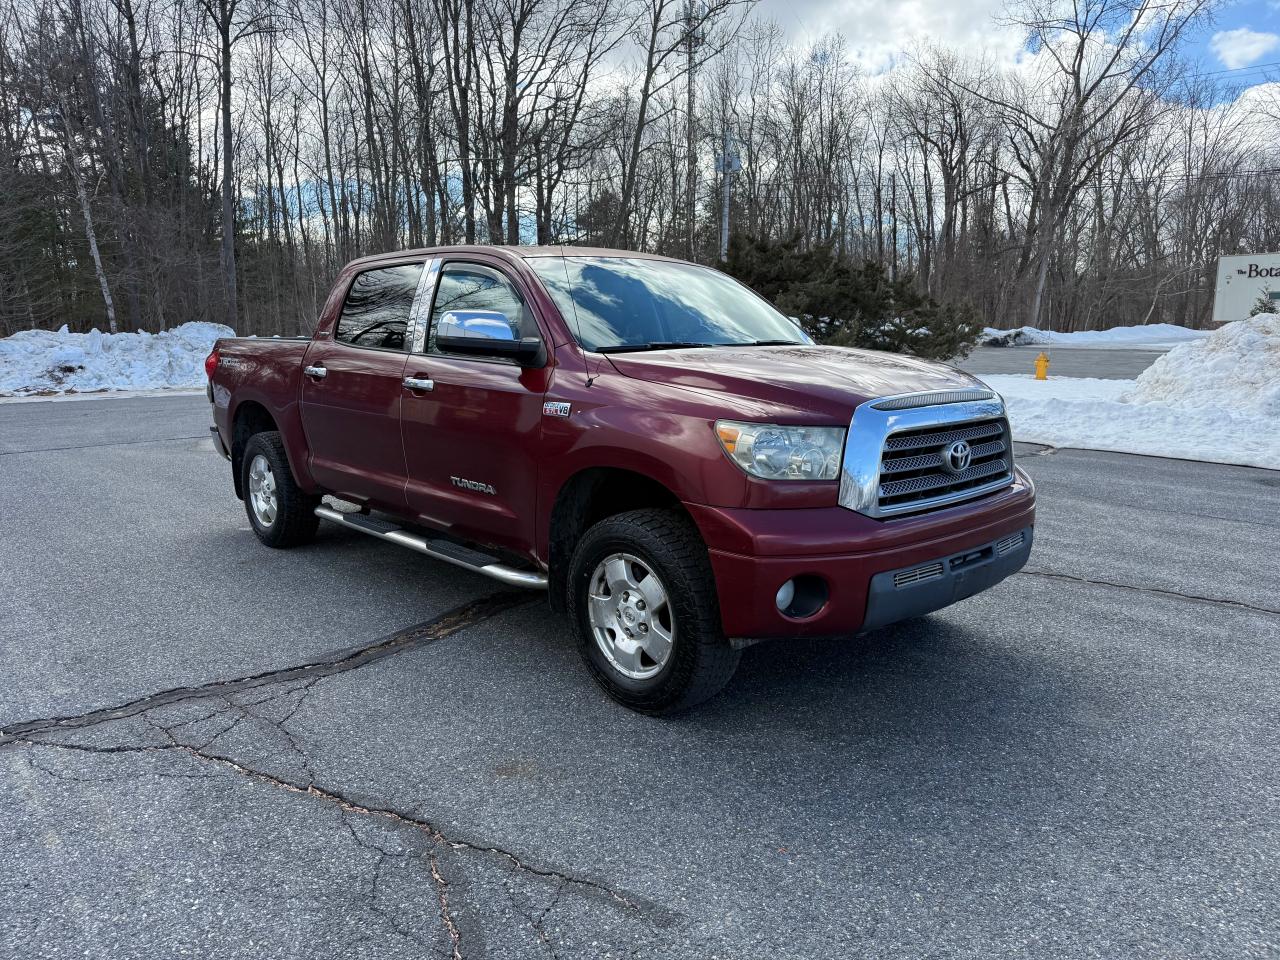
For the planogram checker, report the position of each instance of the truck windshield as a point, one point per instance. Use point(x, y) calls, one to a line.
point(616, 304)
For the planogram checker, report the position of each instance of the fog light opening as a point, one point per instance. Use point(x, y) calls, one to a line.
point(802, 597)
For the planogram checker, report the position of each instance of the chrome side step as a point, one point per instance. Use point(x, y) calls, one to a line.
point(438, 549)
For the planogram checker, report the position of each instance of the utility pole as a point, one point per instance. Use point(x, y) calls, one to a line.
point(893, 226)
point(692, 40)
point(727, 164)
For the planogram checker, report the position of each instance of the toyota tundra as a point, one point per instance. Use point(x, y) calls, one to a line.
point(665, 454)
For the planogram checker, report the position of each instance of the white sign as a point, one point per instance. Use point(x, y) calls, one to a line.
point(1241, 280)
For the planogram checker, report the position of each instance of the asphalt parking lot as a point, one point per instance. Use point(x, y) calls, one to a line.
point(347, 750)
point(1103, 363)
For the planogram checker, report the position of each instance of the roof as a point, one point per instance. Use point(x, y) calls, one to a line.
point(523, 252)
point(574, 251)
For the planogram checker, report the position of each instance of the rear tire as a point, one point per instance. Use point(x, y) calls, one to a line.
point(643, 602)
point(279, 512)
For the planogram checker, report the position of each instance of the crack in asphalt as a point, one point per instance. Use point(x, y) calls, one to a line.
point(349, 805)
point(246, 711)
point(31, 734)
point(340, 661)
point(538, 923)
point(375, 884)
point(1157, 591)
point(446, 916)
point(105, 443)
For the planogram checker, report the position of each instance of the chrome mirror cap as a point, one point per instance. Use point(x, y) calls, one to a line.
point(486, 333)
point(477, 325)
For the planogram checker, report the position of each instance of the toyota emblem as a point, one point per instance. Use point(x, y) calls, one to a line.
point(958, 456)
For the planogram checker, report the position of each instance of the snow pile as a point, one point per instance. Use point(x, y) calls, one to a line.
point(44, 361)
point(1150, 336)
point(1237, 369)
point(1216, 399)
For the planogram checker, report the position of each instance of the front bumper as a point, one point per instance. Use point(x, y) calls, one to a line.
point(754, 552)
point(914, 591)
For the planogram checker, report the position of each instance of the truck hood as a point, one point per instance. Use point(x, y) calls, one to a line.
point(790, 382)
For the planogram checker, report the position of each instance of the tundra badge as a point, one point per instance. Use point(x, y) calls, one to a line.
point(475, 485)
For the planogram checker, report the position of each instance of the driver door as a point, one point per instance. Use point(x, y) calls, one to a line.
point(352, 385)
point(471, 440)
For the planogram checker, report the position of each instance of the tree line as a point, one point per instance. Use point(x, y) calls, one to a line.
point(172, 160)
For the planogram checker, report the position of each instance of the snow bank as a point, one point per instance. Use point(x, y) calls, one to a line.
point(1151, 336)
point(1238, 369)
point(1215, 399)
point(45, 362)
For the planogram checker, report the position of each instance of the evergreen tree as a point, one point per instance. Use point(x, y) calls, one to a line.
point(844, 304)
point(1264, 304)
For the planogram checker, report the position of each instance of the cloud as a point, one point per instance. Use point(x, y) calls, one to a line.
point(1241, 47)
point(876, 31)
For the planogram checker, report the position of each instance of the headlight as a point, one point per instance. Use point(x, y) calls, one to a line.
point(783, 453)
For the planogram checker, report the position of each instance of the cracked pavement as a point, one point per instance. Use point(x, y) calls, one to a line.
point(211, 749)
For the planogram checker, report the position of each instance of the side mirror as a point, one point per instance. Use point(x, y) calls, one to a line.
point(484, 333)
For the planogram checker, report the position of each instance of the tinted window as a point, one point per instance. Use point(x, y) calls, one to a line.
point(376, 313)
point(620, 301)
point(469, 286)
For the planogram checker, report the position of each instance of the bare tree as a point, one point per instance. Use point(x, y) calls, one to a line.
point(221, 159)
point(1101, 68)
point(232, 22)
point(659, 32)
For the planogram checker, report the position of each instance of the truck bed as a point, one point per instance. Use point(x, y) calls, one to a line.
point(271, 364)
point(264, 370)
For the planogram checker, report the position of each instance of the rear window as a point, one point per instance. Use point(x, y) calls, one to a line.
point(377, 308)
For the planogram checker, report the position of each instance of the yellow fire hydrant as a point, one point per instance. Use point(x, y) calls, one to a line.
point(1042, 366)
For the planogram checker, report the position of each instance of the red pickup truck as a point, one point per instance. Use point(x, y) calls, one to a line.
point(668, 456)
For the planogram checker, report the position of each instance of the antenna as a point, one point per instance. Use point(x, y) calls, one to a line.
point(564, 264)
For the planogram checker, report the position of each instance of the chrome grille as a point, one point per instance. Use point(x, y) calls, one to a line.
point(930, 460)
point(914, 474)
point(925, 438)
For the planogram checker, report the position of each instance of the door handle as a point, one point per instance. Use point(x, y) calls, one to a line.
point(419, 383)
point(318, 372)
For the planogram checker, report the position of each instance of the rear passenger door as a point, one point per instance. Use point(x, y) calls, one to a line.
point(352, 388)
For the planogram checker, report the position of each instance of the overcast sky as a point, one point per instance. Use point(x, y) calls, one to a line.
point(876, 30)
point(1246, 33)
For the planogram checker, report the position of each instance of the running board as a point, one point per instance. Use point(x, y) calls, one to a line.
point(438, 549)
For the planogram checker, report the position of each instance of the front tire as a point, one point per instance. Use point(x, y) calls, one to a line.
point(643, 602)
point(279, 512)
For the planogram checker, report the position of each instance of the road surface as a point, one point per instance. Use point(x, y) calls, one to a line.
point(215, 749)
point(1109, 364)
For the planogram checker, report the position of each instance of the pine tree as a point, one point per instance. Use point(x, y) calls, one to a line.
point(1264, 304)
point(850, 305)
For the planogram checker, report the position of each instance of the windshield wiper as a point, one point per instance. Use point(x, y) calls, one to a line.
point(656, 345)
point(684, 344)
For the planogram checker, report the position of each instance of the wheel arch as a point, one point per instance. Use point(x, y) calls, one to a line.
point(250, 417)
point(587, 497)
